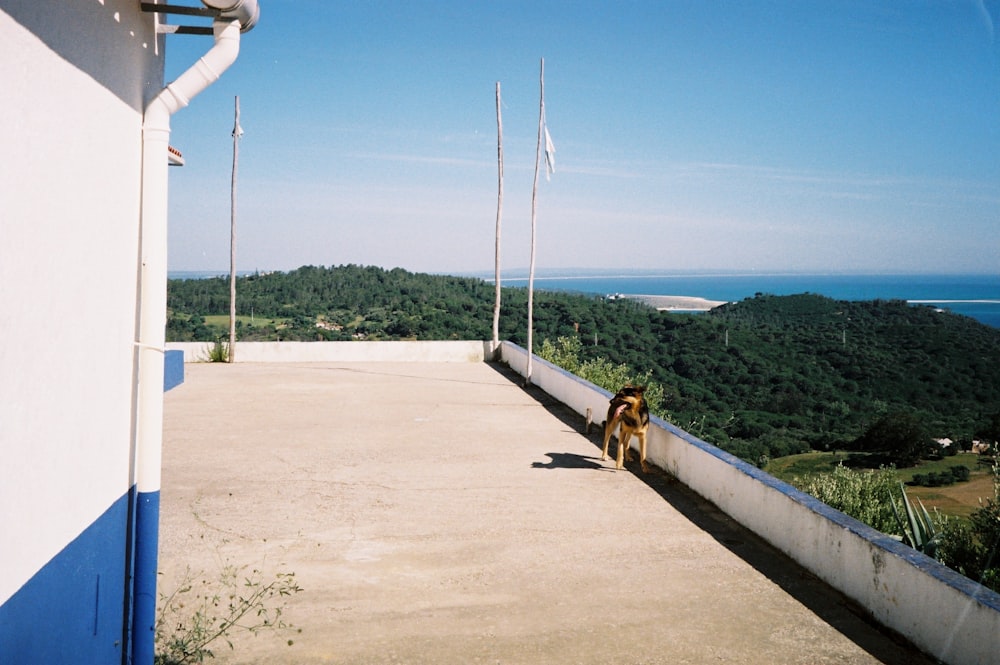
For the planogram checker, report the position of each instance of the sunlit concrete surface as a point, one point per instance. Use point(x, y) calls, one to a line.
point(442, 513)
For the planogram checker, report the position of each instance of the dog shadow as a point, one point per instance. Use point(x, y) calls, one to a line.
point(568, 461)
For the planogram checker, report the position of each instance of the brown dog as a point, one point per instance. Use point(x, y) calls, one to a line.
point(628, 408)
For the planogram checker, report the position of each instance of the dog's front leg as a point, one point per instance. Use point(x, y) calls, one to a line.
point(623, 438)
point(609, 427)
point(642, 451)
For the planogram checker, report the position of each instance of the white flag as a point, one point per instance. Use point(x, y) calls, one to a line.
point(550, 155)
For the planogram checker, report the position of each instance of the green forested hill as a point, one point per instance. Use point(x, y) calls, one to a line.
point(766, 376)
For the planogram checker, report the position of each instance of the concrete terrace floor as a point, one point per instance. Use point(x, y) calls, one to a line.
point(442, 513)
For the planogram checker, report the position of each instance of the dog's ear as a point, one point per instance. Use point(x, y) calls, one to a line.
point(640, 390)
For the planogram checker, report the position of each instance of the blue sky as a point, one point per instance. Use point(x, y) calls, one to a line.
point(751, 135)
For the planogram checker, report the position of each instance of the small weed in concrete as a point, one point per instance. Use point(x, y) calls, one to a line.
point(198, 614)
point(218, 352)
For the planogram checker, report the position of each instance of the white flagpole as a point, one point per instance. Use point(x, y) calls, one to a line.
point(237, 132)
point(550, 152)
point(534, 197)
point(496, 280)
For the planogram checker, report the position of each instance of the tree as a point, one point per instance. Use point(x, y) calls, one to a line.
point(899, 435)
point(991, 431)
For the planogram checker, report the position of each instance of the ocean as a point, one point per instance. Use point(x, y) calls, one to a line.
point(977, 296)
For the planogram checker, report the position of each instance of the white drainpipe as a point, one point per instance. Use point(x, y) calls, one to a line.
point(236, 16)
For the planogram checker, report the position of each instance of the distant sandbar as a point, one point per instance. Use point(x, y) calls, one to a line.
point(676, 303)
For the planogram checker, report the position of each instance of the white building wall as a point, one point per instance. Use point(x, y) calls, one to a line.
point(75, 78)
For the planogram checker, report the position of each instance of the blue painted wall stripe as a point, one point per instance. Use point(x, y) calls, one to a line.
point(173, 369)
point(147, 525)
point(72, 609)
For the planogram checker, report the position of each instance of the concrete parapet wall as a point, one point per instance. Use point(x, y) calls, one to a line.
point(943, 613)
point(289, 352)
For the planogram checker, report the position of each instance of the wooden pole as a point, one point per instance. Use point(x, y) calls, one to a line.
point(237, 131)
point(496, 277)
point(534, 197)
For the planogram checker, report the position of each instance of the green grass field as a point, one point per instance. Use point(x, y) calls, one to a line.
point(222, 321)
point(800, 467)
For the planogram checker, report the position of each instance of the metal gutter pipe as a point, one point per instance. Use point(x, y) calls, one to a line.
point(153, 309)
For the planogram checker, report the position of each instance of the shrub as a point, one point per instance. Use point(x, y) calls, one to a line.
point(218, 352)
point(950, 476)
point(935, 479)
point(565, 352)
point(602, 372)
point(864, 495)
point(970, 546)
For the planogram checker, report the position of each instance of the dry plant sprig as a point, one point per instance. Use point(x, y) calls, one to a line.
point(194, 616)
